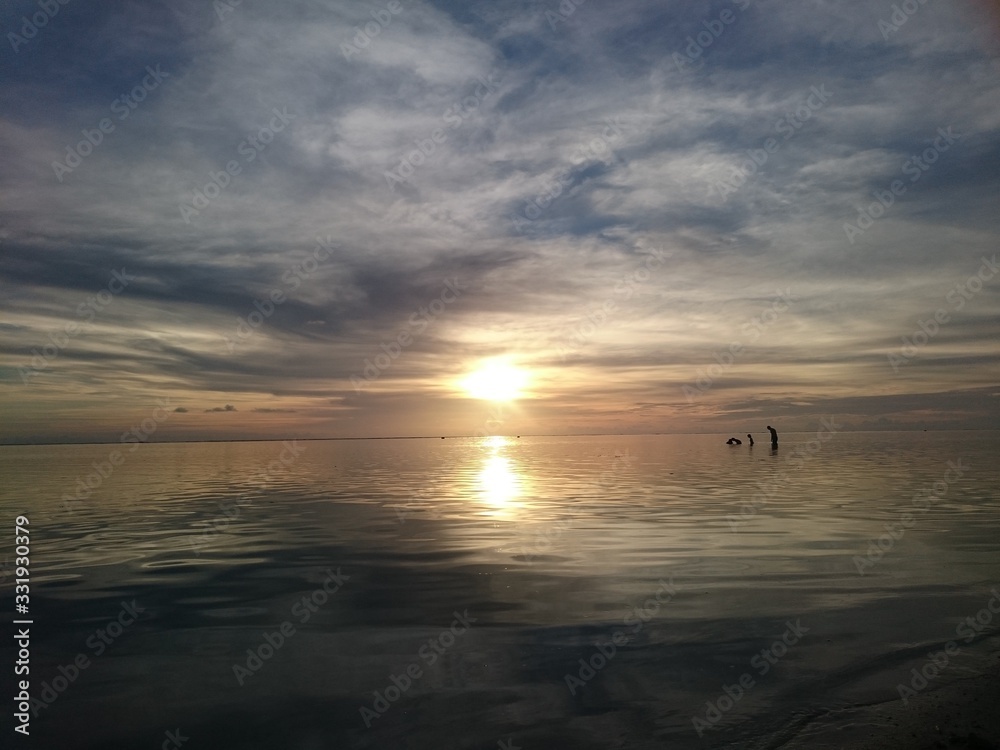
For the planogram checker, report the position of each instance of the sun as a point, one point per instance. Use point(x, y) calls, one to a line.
point(496, 380)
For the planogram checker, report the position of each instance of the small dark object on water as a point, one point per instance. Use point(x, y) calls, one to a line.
point(751, 439)
point(734, 441)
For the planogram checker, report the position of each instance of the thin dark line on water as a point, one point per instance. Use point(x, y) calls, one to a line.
point(451, 437)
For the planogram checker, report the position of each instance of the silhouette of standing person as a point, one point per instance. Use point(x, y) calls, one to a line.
point(751, 439)
point(774, 436)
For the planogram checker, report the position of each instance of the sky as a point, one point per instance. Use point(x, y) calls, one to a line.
point(263, 220)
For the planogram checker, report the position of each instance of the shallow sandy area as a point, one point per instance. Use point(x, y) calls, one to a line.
point(963, 714)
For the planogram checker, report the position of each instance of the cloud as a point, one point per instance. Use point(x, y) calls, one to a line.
point(543, 163)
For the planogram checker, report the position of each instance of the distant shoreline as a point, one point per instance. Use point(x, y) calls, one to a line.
point(455, 437)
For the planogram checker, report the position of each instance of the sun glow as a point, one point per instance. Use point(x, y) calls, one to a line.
point(496, 380)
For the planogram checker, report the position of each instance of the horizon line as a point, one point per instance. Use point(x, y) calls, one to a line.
point(460, 437)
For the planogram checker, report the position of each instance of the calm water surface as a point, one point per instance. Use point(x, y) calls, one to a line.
point(489, 568)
